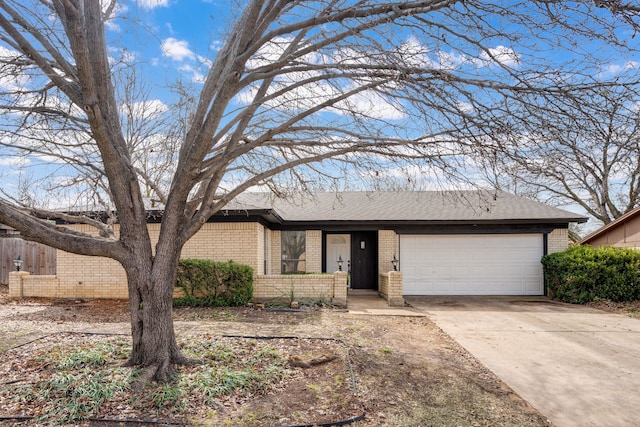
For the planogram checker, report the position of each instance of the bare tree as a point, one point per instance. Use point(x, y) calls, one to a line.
point(583, 151)
point(299, 92)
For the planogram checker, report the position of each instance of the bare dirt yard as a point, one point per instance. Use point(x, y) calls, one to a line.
point(387, 370)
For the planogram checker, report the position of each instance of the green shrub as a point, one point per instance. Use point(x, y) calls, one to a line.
point(583, 273)
point(214, 284)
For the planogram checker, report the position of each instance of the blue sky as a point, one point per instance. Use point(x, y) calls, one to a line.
point(171, 38)
point(184, 35)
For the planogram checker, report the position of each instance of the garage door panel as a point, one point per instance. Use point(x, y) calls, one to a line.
point(472, 264)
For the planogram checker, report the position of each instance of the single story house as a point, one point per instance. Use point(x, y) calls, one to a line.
point(445, 243)
point(624, 232)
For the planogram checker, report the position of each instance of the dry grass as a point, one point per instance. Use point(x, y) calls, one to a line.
point(72, 378)
point(407, 371)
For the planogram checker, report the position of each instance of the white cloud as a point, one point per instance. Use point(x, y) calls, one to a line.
point(13, 78)
point(34, 101)
point(196, 76)
point(145, 110)
point(11, 83)
point(307, 96)
point(273, 51)
point(465, 107)
point(118, 11)
point(14, 161)
point(121, 56)
point(216, 45)
point(415, 53)
point(152, 4)
point(615, 69)
point(372, 105)
point(178, 50)
point(128, 57)
point(498, 55)
point(189, 62)
point(368, 102)
point(450, 60)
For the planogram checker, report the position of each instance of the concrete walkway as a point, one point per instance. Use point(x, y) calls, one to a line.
point(577, 366)
point(369, 302)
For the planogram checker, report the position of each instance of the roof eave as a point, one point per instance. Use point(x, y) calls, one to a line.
point(436, 222)
point(605, 228)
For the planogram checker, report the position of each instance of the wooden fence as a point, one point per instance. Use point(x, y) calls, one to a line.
point(36, 258)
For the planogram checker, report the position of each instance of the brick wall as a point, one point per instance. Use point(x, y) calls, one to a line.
point(276, 252)
point(259, 250)
point(383, 284)
point(15, 283)
point(50, 287)
point(241, 242)
point(301, 287)
point(340, 288)
point(268, 252)
point(558, 240)
point(90, 277)
point(314, 251)
point(96, 277)
point(81, 276)
point(391, 288)
point(388, 246)
point(25, 285)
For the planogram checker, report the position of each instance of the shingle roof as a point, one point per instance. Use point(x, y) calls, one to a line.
point(406, 206)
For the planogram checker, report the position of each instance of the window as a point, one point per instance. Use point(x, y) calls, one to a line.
point(293, 251)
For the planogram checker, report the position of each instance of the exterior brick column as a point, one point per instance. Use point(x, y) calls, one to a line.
point(340, 288)
point(15, 283)
point(388, 246)
point(394, 296)
point(313, 250)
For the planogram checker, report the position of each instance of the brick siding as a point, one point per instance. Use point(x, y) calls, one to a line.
point(388, 246)
point(276, 252)
point(557, 240)
point(82, 276)
point(301, 287)
point(313, 251)
point(248, 243)
point(391, 288)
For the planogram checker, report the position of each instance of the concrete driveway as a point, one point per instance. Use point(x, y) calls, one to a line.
point(577, 366)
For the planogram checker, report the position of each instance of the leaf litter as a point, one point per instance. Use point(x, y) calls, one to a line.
point(73, 378)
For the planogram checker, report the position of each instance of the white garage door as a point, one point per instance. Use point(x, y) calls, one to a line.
point(479, 264)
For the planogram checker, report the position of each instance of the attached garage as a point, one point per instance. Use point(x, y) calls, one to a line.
point(472, 264)
point(447, 243)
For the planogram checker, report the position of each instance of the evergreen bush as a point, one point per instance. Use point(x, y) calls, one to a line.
point(584, 273)
point(214, 284)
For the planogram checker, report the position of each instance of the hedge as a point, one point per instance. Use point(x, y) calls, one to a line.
point(214, 284)
point(584, 273)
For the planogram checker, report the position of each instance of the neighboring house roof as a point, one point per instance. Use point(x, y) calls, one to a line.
point(396, 206)
point(620, 222)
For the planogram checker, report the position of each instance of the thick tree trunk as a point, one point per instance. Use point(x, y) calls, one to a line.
point(151, 306)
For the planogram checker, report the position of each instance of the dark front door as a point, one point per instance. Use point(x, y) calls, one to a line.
point(364, 260)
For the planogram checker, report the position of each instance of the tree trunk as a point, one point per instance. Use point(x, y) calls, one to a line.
point(151, 306)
